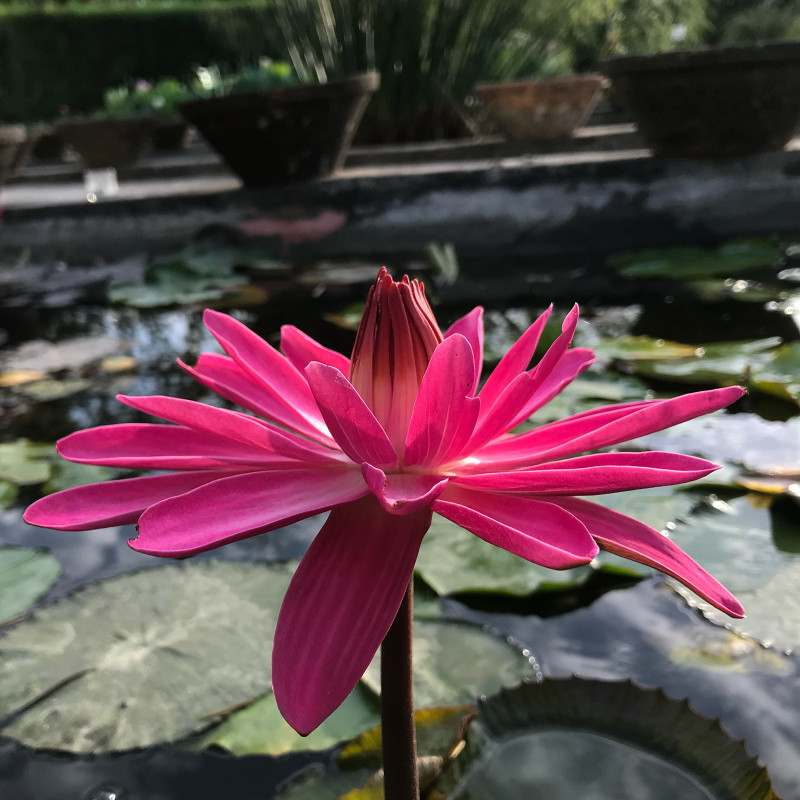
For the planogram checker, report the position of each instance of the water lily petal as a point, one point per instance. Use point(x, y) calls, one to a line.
point(225, 377)
point(101, 505)
point(566, 438)
point(263, 362)
point(301, 350)
point(514, 362)
point(445, 411)
point(632, 539)
point(532, 529)
point(234, 508)
point(231, 425)
point(352, 424)
point(149, 446)
point(595, 474)
point(339, 606)
point(470, 326)
point(402, 493)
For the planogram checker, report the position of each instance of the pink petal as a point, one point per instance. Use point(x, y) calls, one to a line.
point(262, 362)
point(352, 424)
point(532, 529)
point(102, 505)
point(638, 419)
point(470, 326)
point(514, 362)
point(403, 492)
point(445, 411)
point(223, 376)
point(235, 508)
point(301, 350)
point(339, 606)
point(595, 474)
point(232, 425)
point(148, 446)
point(632, 539)
point(571, 365)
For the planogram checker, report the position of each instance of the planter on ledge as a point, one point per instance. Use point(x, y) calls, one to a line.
point(714, 102)
point(15, 145)
point(550, 108)
point(109, 141)
point(291, 133)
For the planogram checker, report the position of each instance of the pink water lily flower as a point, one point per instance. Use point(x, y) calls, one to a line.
point(401, 430)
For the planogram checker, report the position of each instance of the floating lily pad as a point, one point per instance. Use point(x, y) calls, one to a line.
point(454, 663)
point(745, 291)
point(643, 348)
point(68, 474)
point(579, 738)
point(19, 377)
point(679, 263)
point(140, 659)
point(25, 575)
point(24, 463)
point(52, 389)
point(260, 728)
point(8, 493)
point(71, 354)
point(757, 444)
point(453, 560)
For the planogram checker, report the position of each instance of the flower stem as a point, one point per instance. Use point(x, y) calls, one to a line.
point(397, 707)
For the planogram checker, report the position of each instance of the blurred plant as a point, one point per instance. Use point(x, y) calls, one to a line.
point(145, 98)
point(210, 81)
point(763, 24)
point(429, 53)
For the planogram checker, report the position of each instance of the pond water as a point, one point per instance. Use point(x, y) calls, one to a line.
point(612, 621)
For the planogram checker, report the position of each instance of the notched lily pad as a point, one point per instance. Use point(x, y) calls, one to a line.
point(585, 738)
point(140, 659)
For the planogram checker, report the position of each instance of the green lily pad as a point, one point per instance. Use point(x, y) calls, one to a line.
point(744, 291)
point(25, 575)
point(140, 659)
point(453, 560)
point(260, 728)
point(24, 463)
point(8, 494)
point(642, 348)
point(71, 354)
point(52, 389)
point(680, 263)
point(589, 390)
point(68, 474)
point(454, 663)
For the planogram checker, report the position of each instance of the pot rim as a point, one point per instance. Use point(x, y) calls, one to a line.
point(565, 80)
point(711, 56)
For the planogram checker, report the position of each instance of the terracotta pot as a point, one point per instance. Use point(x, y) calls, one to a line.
point(713, 102)
point(108, 142)
point(15, 145)
point(541, 109)
point(291, 133)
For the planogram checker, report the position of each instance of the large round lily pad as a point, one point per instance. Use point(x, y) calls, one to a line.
point(140, 659)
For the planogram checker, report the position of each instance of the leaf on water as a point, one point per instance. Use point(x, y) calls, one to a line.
point(25, 463)
point(52, 389)
point(454, 663)
point(25, 575)
point(68, 474)
point(140, 659)
point(677, 263)
point(260, 728)
point(642, 348)
point(8, 494)
point(71, 354)
point(760, 446)
point(118, 363)
point(18, 377)
point(453, 560)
